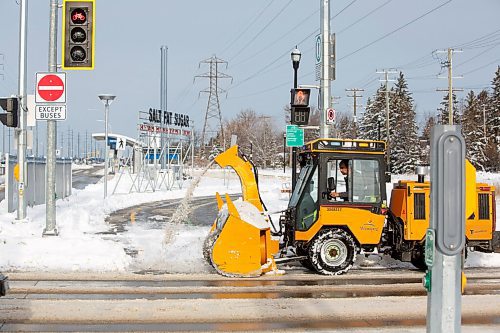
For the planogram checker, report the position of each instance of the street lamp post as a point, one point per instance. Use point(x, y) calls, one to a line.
point(295, 55)
point(107, 99)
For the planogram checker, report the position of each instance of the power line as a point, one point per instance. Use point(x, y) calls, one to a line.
point(280, 57)
point(472, 43)
point(396, 30)
point(362, 18)
point(262, 30)
point(296, 26)
point(476, 69)
point(348, 55)
point(477, 55)
point(248, 26)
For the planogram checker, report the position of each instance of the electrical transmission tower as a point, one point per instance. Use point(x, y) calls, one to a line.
point(213, 105)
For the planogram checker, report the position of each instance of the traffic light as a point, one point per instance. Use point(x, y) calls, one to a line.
point(300, 106)
point(11, 105)
point(78, 34)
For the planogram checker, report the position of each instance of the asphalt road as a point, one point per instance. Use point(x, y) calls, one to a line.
point(364, 300)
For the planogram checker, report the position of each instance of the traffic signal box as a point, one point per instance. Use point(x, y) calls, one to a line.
point(11, 105)
point(78, 34)
point(300, 106)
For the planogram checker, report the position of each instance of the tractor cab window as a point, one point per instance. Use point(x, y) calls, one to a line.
point(305, 197)
point(353, 180)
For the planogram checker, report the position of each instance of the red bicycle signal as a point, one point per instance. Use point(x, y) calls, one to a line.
point(78, 16)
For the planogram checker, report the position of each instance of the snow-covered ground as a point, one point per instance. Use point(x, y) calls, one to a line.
point(81, 217)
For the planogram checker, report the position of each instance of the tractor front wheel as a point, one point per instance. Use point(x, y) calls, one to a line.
point(332, 251)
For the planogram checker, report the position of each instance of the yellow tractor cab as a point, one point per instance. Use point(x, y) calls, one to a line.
point(334, 212)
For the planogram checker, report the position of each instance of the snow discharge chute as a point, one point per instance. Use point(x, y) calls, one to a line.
point(240, 242)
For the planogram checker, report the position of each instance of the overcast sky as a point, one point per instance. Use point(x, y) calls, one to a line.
point(256, 38)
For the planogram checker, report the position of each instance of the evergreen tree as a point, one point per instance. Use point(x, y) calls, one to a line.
point(444, 111)
point(472, 129)
point(425, 140)
point(404, 143)
point(345, 127)
point(372, 123)
point(493, 116)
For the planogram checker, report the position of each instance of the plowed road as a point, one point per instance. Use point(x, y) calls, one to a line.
point(361, 300)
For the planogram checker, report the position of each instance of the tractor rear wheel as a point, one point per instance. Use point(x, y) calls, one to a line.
point(332, 251)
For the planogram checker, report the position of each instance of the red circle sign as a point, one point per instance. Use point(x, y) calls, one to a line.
point(50, 87)
point(331, 114)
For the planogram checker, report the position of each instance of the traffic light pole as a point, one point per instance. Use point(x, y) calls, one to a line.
point(445, 238)
point(21, 132)
point(50, 191)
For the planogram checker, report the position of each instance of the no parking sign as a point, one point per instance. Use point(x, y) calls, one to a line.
point(330, 116)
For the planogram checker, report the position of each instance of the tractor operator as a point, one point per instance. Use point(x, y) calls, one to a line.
point(344, 169)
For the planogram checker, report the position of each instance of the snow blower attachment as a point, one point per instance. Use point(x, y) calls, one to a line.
point(240, 243)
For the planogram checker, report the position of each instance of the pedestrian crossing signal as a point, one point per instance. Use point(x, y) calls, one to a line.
point(300, 97)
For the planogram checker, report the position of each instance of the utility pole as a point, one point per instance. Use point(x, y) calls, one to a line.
point(327, 66)
point(21, 132)
point(387, 123)
point(449, 64)
point(355, 97)
point(50, 191)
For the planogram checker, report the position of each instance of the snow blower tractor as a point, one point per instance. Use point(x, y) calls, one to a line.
point(324, 231)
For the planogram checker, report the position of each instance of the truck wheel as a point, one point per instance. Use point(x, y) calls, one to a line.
point(332, 252)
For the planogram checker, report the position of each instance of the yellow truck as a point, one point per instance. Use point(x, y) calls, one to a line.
point(326, 233)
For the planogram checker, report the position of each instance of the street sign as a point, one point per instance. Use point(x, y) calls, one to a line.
point(319, 45)
point(330, 116)
point(50, 112)
point(50, 88)
point(319, 56)
point(294, 136)
point(121, 143)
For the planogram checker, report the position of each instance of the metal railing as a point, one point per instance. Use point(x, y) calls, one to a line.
point(34, 189)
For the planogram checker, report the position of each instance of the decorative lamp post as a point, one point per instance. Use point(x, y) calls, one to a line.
point(107, 99)
point(295, 55)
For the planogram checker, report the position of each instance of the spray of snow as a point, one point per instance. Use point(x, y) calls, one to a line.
point(184, 209)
